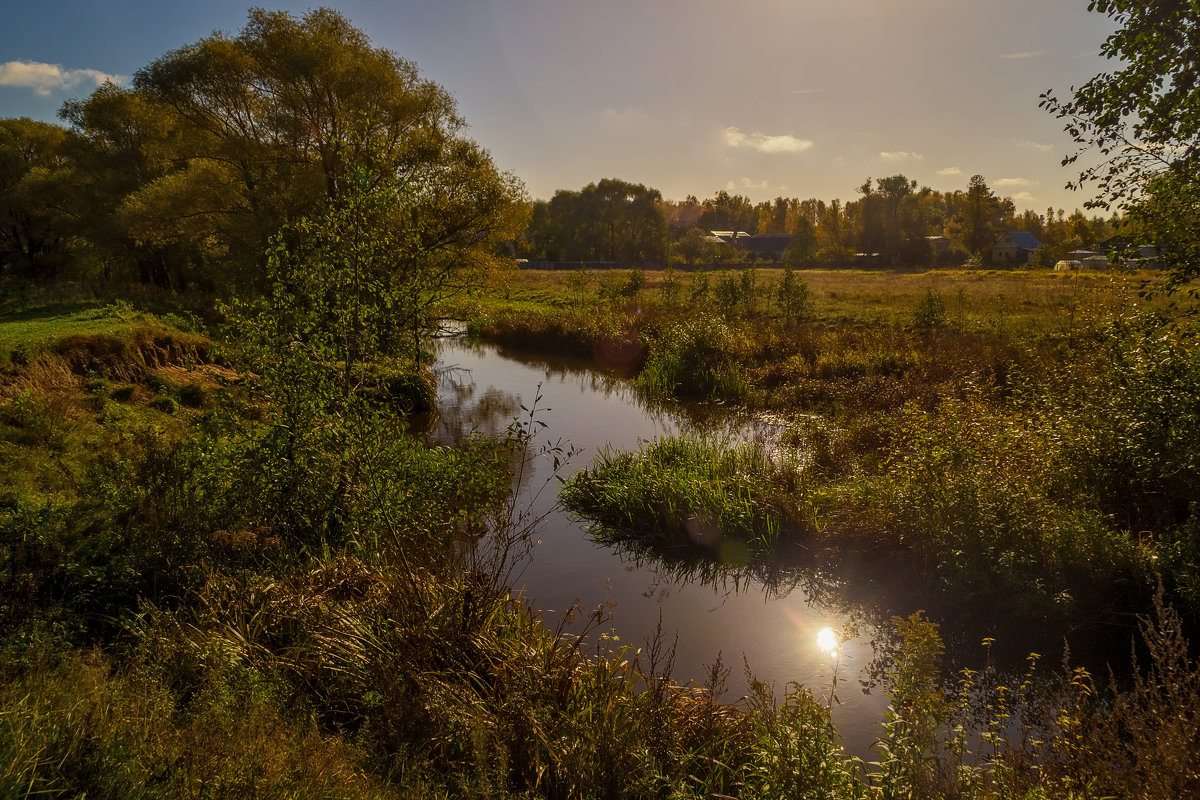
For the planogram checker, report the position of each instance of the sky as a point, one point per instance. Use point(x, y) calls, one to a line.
point(763, 98)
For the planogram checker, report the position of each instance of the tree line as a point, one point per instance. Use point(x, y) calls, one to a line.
point(891, 223)
point(181, 179)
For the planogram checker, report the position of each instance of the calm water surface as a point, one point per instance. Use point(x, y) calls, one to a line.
point(770, 627)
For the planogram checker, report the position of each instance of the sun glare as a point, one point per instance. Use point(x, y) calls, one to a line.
point(827, 640)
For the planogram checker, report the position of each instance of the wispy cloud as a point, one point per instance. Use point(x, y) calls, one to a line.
point(1023, 197)
point(1033, 54)
point(949, 171)
point(1004, 183)
point(746, 183)
point(1028, 145)
point(900, 155)
point(44, 79)
point(765, 143)
point(807, 91)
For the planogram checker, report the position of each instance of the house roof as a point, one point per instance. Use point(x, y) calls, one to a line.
point(1024, 240)
point(765, 242)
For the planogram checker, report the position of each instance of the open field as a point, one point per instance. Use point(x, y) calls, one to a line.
point(998, 299)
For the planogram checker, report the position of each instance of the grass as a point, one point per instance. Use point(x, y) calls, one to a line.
point(201, 604)
point(991, 300)
point(1021, 438)
point(32, 329)
point(693, 491)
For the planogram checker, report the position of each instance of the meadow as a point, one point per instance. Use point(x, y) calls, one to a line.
point(1022, 440)
point(221, 580)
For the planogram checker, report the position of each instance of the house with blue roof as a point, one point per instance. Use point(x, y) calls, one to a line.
point(1015, 247)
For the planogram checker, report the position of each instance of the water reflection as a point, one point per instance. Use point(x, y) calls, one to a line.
point(763, 611)
point(828, 641)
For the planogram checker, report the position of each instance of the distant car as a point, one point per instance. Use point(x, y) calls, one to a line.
point(1067, 266)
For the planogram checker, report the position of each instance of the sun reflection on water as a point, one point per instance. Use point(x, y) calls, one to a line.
point(827, 640)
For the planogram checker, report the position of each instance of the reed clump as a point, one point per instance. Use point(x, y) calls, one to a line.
point(706, 493)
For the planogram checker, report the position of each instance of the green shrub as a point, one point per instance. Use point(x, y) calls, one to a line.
point(929, 314)
point(697, 359)
point(165, 404)
point(411, 391)
point(123, 393)
point(980, 498)
point(195, 395)
point(692, 491)
point(161, 385)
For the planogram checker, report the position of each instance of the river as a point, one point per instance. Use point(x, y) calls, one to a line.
point(768, 624)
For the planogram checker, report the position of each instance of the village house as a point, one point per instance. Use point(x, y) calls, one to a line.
point(1015, 247)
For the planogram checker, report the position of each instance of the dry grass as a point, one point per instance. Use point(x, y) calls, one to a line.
point(1004, 301)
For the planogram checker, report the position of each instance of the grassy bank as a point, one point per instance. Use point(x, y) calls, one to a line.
point(244, 593)
point(1021, 439)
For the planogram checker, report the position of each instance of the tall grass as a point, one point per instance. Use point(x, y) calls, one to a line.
point(695, 491)
point(699, 359)
point(195, 606)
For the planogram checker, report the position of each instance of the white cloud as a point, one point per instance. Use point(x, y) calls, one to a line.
point(1028, 145)
point(765, 143)
point(1023, 197)
point(1021, 55)
point(949, 171)
point(46, 78)
point(1006, 182)
point(807, 91)
point(900, 155)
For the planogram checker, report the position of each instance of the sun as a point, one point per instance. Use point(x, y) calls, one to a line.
point(827, 640)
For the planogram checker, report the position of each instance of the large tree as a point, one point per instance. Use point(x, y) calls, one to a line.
point(36, 199)
point(893, 222)
point(611, 220)
point(264, 125)
point(1143, 120)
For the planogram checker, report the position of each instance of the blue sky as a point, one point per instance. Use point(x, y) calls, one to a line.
point(803, 98)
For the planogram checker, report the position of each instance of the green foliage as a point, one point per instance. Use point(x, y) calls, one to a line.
point(338, 295)
point(634, 283)
point(611, 220)
point(670, 288)
point(748, 281)
point(1135, 422)
point(1144, 120)
point(173, 187)
point(929, 315)
point(909, 766)
point(86, 726)
point(728, 294)
point(792, 296)
point(37, 201)
point(579, 282)
point(695, 359)
point(698, 286)
point(698, 492)
point(982, 499)
point(165, 404)
point(697, 247)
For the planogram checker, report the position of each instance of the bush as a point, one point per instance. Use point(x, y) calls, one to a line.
point(929, 314)
point(195, 395)
point(697, 359)
point(696, 492)
point(165, 404)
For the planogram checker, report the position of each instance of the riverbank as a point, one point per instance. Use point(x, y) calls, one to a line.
point(1027, 461)
point(222, 595)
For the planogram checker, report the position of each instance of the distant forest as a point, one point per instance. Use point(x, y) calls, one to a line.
point(892, 223)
